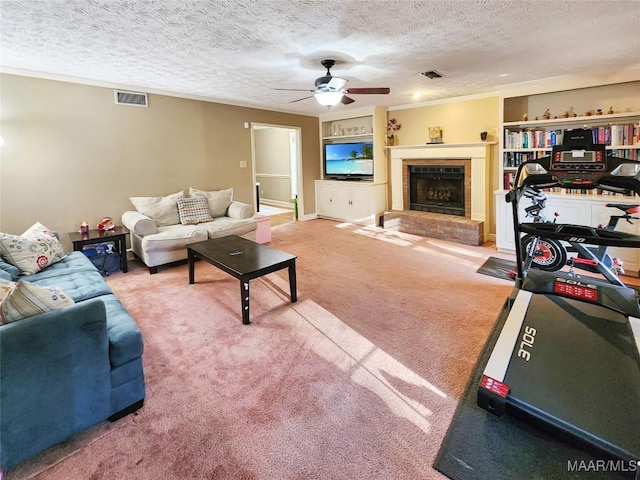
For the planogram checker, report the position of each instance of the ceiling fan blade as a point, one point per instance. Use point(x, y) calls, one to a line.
point(359, 91)
point(295, 89)
point(300, 99)
point(336, 83)
point(346, 100)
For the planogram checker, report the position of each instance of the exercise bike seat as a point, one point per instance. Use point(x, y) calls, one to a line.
point(625, 207)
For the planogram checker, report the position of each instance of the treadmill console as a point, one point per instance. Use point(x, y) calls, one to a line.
point(578, 163)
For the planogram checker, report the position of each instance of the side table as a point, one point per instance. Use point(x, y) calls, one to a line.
point(118, 236)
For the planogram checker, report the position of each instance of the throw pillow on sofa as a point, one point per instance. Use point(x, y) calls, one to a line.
point(32, 251)
point(22, 299)
point(219, 200)
point(193, 210)
point(163, 210)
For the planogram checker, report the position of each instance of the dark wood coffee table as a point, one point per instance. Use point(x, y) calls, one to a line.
point(244, 260)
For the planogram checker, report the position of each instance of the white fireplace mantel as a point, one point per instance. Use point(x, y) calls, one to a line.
point(477, 152)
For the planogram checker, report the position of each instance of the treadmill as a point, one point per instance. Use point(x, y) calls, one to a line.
point(568, 356)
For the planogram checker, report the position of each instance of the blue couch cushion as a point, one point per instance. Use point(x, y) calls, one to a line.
point(12, 270)
point(72, 263)
point(80, 286)
point(125, 339)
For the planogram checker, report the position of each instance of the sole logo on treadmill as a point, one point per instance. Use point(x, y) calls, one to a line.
point(528, 338)
point(575, 289)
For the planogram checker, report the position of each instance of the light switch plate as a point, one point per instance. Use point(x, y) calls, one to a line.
point(243, 164)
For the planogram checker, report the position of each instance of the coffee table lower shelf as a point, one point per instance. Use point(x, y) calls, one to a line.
point(244, 260)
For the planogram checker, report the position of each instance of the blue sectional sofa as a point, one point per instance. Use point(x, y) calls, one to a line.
point(66, 370)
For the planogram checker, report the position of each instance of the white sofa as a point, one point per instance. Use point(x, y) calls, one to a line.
point(160, 233)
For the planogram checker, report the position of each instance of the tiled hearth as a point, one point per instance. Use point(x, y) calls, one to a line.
point(469, 229)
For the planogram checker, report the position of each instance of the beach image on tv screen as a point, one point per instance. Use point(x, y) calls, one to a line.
point(349, 159)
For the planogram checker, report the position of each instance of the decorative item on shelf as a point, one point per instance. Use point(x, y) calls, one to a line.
point(525, 117)
point(84, 228)
point(547, 114)
point(565, 114)
point(610, 111)
point(435, 135)
point(392, 131)
point(483, 136)
point(599, 111)
point(588, 113)
point(105, 225)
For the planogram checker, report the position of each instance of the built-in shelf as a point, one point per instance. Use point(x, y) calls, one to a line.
point(360, 136)
point(591, 120)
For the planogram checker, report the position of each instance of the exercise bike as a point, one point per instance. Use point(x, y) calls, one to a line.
point(552, 255)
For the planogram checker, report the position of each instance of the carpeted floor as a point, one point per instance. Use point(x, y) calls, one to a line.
point(358, 380)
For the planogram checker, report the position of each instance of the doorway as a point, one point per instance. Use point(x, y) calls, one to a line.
point(277, 166)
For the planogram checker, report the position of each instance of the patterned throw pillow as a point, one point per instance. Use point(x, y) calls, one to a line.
point(194, 210)
point(162, 210)
point(32, 251)
point(219, 200)
point(23, 299)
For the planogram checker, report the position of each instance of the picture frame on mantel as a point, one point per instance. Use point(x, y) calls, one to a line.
point(435, 135)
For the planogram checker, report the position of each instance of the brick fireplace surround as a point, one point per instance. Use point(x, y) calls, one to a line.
point(469, 229)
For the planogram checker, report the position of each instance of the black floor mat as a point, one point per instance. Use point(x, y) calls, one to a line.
point(498, 267)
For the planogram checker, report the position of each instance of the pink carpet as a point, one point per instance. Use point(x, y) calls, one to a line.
point(357, 380)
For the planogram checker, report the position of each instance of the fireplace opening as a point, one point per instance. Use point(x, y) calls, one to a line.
point(437, 188)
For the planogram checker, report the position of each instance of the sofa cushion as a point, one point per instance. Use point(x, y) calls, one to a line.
point(219, 200)
point(11, 270)
point(32, 251)
point(80, 286)
point(72, 263)
point(193, 210)
point(174, 237)
point(162, 210)
point(23, 299)
point(228, 226)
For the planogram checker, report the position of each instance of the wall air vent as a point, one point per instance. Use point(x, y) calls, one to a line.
point(432, 74)
point(132, 99)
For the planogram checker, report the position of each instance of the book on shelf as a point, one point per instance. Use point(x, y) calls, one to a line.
point(613, 135)
point(509, 178)
point(515, 159)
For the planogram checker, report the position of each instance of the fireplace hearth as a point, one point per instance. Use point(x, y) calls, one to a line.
point(437, 188)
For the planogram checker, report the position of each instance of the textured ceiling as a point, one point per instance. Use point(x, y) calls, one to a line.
point(238, 51)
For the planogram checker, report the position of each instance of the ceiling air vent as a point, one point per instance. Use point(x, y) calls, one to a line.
point(132, 99)
point(432, 74)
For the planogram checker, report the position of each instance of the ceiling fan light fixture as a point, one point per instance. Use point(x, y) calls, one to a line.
point(328, 99)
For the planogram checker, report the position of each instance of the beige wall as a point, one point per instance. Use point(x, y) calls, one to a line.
point(461, 122)
point(71, 154)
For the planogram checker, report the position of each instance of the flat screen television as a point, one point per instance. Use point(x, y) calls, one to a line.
point(348, 160)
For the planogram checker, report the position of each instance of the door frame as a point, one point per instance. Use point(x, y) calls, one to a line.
point(297, 175)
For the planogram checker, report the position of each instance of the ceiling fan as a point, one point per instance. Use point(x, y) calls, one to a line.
point(330, 90)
